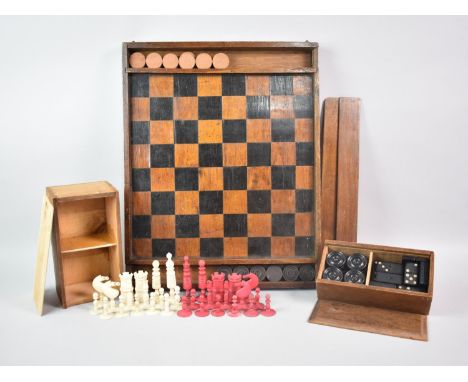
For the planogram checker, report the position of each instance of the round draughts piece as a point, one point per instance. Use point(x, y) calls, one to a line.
point(357, 261)
point(204, 61)
point(154, 60)
point(354, 276)
point(220, 61)
point(291, 272)
point(336, 259)
point(137, 60)
point(187, 60)
point(307, 272)
point(259, 271)
point(224, 269)
point(170, 61)
point(241, 270)
point(274, 273)
point(333, 273)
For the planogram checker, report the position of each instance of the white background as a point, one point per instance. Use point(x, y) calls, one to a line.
point(61, 122)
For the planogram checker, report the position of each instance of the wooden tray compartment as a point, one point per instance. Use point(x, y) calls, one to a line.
point(370, 308)
point(85, 239)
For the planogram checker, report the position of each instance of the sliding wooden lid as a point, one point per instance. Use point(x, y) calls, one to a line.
point(204, 61)
point(170, 61)
point(187, 60)
point(153, 60)
point(137, 60)
point(220, 61)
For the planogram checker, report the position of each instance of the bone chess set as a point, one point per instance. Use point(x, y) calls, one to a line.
point(233, 295)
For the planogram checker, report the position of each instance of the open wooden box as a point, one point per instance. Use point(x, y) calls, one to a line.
point(369, 308)
point(85, 238)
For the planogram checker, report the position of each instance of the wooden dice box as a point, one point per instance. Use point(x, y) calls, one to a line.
point(188, 97)
point(86, 238)
point(370, 308)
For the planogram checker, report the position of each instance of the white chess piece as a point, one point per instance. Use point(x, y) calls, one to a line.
point(141, 285)
point(166, 311)
point(156, 276)
point(152, 305)
point(170, 272)
point(137, 311)
point(106, 314)
point(177, 300)
point(96, 304)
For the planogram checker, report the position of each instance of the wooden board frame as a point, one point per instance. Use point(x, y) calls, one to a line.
point(267, 65)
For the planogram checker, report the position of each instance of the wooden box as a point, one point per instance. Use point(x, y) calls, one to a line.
point(86, 238)
point(369, 308)
point(224, 164)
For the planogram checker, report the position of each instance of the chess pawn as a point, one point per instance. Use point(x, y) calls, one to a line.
point(234, 311)
point(202, 298)
point(177, 299)
point(160, 304)
point(112, 306)
point(121, 311)
point(193, 299)
point(225, 305)
point(218, 311)
point(251, 311)
point(96, 304)
point(268, 312)
point(152, 305)
point(145, 304)
point(137, 308)
point(105, 315)
point(129, 301)
point(258, 304)
point(166, 311)
point(185, 311)
point(209, 304)
point(202, 312)
point(156, 276)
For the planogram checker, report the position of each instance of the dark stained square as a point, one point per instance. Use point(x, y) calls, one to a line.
point(305, 246)
point(281, 85)
point(234, 131)
point(259, 154)
point(185, 85)
point(210, 108)
point(304, 153)
point(233, 84)
point(210, 155)
point(162, 156)
point(186, 132)
point(283, 177)
point(283, 225)
point(211, 202)
point(161, 109)
point(304, 200)
point(141, 226)
point(258, 202)
point(162, 246)
point(258, 107)
point(162, 203)
point(259, 247)
point(211, 247)
point(139, 85)
point(303, 106)
point(186, 179)
point(282, 130)
point(141, 179)
point(187, 226)
point(235, 178)
point(235, 225)
point(140, 133)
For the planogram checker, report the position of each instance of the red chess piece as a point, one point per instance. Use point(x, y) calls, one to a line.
point(186, 275)
point(268, 312)
point(202, 298)
point(193, 300)
point(258, 304)
point(225, 305)
point(202, 312)
point(218, 311)
point(209, 304)
point(201, 275)
point(251, 311)
point(234, 312)
point(185, 311)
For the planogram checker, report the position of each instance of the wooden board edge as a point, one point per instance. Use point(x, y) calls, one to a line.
point(366, 323)
point(45, 232)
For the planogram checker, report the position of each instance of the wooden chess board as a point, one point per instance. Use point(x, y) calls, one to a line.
point(222, 166)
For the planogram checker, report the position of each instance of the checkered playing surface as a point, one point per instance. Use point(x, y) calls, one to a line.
point(222, 165)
